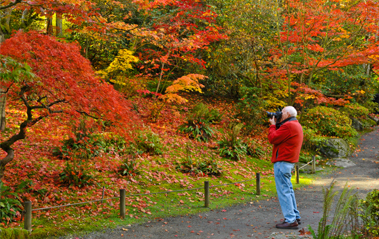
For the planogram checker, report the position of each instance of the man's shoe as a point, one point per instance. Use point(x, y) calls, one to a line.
point(298, 221)
point(287, 225)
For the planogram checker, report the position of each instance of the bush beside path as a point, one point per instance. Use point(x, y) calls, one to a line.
point(257, 219)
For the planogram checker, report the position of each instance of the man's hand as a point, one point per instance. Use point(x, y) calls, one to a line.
point(272, 121)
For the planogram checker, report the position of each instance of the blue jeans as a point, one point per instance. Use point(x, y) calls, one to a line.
point(286, 195)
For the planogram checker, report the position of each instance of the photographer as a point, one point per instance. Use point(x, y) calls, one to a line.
point(286, 135)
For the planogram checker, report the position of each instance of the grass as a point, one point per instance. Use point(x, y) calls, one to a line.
point(79, 221)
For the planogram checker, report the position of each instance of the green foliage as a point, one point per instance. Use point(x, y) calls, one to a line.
point(370, 207)
point(84, 148)
point(129, 167)
point(13, 71)
point(328, 121)
point(358, 112)
point(86, 145)
point(231, 146)
point(372, 199)
point(237, 61)
point(353, 80)
point(355, 110)
point(254, 149)
point(199, 130)
point(307, 157)
point(250, 109)
point(312, 140)
point(153, 84)
point(371, 106)
point(110, 143)
point(147, 142)
point(74, 174)
point(201, 112)
point(198, 122)
point(345, 214)
point(81, 146)
point(10, 206)
point(14, 233)
point(367, 122)
point(201, 167)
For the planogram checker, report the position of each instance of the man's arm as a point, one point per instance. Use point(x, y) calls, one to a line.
point(280, 135)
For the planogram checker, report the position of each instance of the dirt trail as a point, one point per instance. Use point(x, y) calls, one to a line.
point(258, 220)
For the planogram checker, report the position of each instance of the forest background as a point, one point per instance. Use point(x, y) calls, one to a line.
point(162, 95)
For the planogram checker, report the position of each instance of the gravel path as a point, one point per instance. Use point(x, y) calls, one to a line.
point(258, 220)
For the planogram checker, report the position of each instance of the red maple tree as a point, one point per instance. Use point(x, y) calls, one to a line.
point(64, 83)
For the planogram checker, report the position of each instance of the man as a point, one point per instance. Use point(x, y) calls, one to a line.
point(287, 138)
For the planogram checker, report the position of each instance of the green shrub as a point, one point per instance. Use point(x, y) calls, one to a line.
point(147, 142)
point(370, 215)
point(231, 146)
point(307, 157)
point(128, 167)
point(76, 175)
point(84, 148)
point(344, 220)
point(79, 146)
point(206, 167)
point(14, 233)
point(329, 122)
point(367, 122)
point(111, 143)
point(371, 106)
point(202, 112)
point(355, 110)
point(10, 206)
point(198, 130)
point(311, 140)
point(372, 200)
point(254, 149)
point(88, 146)
point(198, 122)
point(358, 112)
point(152, 86)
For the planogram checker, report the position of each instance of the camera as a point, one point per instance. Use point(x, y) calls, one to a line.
point(277, 114)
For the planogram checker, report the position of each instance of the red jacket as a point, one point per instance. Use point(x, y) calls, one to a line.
point(287, 141)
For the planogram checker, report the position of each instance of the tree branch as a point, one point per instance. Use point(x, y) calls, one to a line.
point(85, 113)
point(11, 4)
point(8, 158)
point(4, 92)
point(43, 106)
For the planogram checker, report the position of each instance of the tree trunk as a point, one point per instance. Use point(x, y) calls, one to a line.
point(5, 161)
point(23, 24)
point(49, 27)
point(59, 25)
point(2, 96)
point(2, 111)
point(2, 36)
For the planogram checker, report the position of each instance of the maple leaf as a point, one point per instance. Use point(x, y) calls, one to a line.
point(303, 232)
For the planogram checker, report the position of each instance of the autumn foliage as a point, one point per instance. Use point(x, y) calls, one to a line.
point(64, 82)
point(174, 67)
